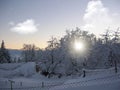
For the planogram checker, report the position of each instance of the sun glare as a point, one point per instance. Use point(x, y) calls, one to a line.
point(79, 46)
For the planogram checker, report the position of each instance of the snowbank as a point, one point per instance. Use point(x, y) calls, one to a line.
point(10, 66)
point(27, 69)
point(17, 69)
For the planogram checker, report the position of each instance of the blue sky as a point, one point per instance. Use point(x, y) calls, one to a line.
point(35, 21)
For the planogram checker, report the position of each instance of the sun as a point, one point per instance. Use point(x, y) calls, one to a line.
point(79, 46)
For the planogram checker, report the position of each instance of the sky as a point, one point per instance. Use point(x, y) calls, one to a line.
point(35, 21)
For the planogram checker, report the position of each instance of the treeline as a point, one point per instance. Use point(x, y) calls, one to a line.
point(60, 57)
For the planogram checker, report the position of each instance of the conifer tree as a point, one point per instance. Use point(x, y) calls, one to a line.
point(4, 54)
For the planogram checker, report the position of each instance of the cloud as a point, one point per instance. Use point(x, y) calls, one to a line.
point(11, 23)
point(26, 27)
point(97, 17)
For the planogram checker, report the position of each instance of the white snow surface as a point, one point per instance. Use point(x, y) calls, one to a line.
point(17, 69)
point(25, 78)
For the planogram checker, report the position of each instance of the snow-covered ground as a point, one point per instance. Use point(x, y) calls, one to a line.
point(25, 78)
point(17, 69)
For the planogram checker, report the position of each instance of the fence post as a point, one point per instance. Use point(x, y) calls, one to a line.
point(115, 66)
point(84, 73)
point(20, 83)
point(5, 82)
point(42, 84)
point(11, 84)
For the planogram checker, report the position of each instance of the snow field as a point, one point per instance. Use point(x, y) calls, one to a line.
point(25, 78)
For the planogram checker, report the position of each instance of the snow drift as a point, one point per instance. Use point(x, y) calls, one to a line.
point(20, 69)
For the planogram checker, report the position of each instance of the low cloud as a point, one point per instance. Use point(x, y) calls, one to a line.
point(26, 27)
point(97, 17)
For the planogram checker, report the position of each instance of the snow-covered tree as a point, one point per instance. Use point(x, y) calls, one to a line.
point(61, 57)
point(29, 52)
point(51, 60)
point(4, 54)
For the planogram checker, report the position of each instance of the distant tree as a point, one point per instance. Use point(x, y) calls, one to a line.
point(114, 54)
point(106, 36)
point(4, 54)
point(29, 52)
point(110, 58)
point(52, 45)
point(19, 60)
point(113, 60)
point(14, 60)
point(116, 36)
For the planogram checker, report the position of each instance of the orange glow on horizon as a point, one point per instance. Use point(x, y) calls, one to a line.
point(20, 45)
